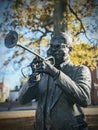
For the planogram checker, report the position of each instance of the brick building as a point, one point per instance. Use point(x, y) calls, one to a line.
point(4, 92)
point(1, 91)
point(95, 86)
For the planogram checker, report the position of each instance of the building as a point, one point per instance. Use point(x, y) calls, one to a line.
point(1, 92)
point(4, 92)
point(95, 86)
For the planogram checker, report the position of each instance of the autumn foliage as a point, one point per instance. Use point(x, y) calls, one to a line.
point(85, 54)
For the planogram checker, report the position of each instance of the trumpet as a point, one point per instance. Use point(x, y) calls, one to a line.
point(11, 40)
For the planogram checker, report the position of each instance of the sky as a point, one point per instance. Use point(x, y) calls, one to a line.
point(11, 74)
point(7, 73)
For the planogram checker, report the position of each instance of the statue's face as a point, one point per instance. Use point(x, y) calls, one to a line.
point(59, 50)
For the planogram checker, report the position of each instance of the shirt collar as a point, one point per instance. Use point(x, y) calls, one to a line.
point(65, 63)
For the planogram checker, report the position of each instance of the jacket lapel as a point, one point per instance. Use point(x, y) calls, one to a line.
point(56, 94)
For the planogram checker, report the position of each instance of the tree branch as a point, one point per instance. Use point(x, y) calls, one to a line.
point(75, 14)
point(82, 26)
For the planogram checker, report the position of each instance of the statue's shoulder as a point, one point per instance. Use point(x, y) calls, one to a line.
point(83, 69)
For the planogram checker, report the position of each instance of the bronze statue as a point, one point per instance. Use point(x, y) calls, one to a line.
point(61, 91)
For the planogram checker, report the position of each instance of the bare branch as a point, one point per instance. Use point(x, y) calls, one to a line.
point(75, 14)
point(82, 26)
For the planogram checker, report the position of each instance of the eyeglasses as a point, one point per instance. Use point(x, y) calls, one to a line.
point(58, 45)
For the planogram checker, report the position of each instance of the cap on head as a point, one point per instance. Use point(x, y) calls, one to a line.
point(62, 37)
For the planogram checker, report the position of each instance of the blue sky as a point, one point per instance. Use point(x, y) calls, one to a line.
point(11, 73)
point(7, 73)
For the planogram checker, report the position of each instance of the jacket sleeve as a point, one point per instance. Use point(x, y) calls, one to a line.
point(28, 92)
point(79, 89)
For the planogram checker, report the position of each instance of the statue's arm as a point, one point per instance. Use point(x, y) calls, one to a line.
point(28, 92)
point(78, 90)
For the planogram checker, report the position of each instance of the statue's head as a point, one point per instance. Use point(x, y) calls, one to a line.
point(60, 47)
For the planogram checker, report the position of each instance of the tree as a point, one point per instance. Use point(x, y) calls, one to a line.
point(85, 54)
point(42, 18)
point(63, 15)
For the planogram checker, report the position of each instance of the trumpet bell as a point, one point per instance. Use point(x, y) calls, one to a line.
point(11, 39)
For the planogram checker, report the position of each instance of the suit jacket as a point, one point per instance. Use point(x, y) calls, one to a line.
point(60, 100)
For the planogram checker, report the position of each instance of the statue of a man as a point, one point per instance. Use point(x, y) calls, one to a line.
point(62, 90)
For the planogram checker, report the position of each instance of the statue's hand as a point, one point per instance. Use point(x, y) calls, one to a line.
point(34, 78)
point(47, 68)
